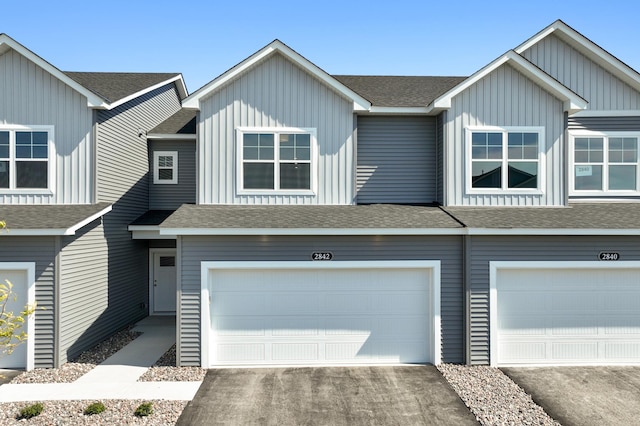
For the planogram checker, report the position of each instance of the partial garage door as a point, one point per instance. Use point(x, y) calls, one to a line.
point(567, 315)
point(21, 280)
point(270, 314)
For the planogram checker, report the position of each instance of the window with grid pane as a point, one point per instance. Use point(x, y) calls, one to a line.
point(165, 167)
point(605, 163)
point(276, 160)
point(24, 158)
point(504, 159)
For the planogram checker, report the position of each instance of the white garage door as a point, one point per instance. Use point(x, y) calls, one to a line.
point(21, 279)
point(321, 315)
point(567, 315)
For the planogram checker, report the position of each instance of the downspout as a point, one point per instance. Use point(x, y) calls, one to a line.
point(57, 289)
point(466, 283)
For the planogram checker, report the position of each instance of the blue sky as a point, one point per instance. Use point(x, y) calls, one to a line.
point(202, 39)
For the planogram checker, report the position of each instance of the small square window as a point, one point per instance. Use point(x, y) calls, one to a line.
point(165, 167)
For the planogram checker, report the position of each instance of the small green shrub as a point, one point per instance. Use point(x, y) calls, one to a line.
point(144, 409)
point(95, 408)
point(30, 411)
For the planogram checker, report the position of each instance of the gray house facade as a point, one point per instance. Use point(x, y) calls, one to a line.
point(74, 176)
point(286, 216)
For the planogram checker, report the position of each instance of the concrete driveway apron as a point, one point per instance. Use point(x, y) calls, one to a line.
point(395, 395)
point(583, 396)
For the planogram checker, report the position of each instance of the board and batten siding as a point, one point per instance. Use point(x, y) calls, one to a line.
point(505, 98)
point(172, 196)
point(42, 251)
point(588, 79)
point(194, 250)
point(29, 95)
point(123, 179)
point(485, 249)
point(84, 291)
point(276, 93)
point(396, 160)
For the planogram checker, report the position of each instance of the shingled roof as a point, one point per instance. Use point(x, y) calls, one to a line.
point(182, 122)
point(114, 86)
point(60, 219)
point(214, 219)
point(577, 216)
point(399, 91)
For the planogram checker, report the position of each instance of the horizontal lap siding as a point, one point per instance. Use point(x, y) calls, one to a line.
point(605, 124)
point(172, 196)
point(40, 250)
point(123, 179)
point(84, 290)
point(29, 95)
point(276, 93)
point(582, 75)
point(396, 160)
point(194, 250)
point(543, 248)
point(504, 98)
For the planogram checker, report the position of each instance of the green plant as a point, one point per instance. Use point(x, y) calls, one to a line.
point(144, 409)
point(95, 408)
point(12, 333)
point(30, 411)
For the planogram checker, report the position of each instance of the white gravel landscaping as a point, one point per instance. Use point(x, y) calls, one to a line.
point(493, 397)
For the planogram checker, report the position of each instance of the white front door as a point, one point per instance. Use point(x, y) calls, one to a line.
point(22, 276)
point(163, 281)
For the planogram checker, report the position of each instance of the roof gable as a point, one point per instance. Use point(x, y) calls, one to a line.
point(588, 48)
point(193, 101)
point(572, 101)
point(93, 100)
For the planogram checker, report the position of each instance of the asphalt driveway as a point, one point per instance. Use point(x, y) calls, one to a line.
point(583, 396)
point(398, 395)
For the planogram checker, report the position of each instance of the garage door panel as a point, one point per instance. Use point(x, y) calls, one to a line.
point(567, 315)
point(19, 279)
point(307, 316)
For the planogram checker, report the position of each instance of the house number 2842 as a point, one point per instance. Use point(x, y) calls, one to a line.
point(321, 255)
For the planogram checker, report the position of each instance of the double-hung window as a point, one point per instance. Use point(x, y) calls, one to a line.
point(604, 163)
point(502, 159)
point(165, 167)
point(25, 157)
point(278, 160)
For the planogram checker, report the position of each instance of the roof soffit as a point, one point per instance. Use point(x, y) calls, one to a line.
point(276, 47)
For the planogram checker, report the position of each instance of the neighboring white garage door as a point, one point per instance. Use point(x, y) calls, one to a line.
point(561, 313)
point(21, 275)
point(299, 313)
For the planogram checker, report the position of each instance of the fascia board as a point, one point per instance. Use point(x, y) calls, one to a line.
point(359, 103)
point(93, 100)
point(171, 136)
point(314, 231)
point(72, 230)
point(177, 80)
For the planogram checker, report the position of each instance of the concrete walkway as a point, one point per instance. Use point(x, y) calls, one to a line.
point(116, 377)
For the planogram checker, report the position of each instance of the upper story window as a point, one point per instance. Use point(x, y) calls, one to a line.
point(25, 157)
point(165, 167)
point(276, 160)
point(504, 159)
point(604, 163)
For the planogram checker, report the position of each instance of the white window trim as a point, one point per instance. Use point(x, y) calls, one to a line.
point(505, 130)
point(573, 134)
point(51, 175)
point(156, 167)
point(240, 161)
